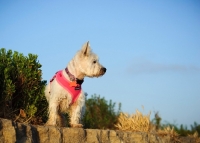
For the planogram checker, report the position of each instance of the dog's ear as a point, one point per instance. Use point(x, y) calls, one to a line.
point(86, 49)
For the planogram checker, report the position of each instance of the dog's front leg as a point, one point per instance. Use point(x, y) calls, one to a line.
point(76, 113)
point(53, 113)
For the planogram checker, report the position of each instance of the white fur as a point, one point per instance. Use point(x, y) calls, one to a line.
point(83, 64)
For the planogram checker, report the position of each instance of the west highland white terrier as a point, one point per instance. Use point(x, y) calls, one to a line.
point(64, 93)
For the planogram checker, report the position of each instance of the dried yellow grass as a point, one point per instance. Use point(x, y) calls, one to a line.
point(140, 122)
point(135, 122)
point(168, 131)
point(196, 137)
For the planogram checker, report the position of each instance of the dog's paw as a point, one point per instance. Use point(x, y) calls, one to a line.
point(76, 125)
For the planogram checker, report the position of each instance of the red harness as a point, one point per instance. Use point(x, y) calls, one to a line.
point(73, 90)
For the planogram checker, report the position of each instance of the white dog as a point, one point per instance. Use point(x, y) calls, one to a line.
point(64, 93)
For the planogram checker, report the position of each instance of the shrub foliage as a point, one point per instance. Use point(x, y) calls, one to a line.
point(100, 114)
point(21, 87)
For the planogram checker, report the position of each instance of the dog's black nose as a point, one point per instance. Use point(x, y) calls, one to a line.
point(104, 70)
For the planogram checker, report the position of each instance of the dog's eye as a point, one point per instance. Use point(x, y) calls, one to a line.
point(94, 62)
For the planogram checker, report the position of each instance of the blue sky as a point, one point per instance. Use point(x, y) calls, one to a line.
point(151, 49)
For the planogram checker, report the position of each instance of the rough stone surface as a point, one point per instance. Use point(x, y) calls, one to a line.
point(73, 135)
point(24, 133)
point(11, 132)
point(7, 131)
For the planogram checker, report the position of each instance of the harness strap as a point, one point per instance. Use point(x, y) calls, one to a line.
point(73, 90)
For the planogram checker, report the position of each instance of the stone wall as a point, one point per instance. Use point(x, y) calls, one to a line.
point(11, 132)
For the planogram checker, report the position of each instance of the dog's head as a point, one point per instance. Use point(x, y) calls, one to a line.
point(88, 63)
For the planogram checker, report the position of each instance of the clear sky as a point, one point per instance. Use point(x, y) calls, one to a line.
point(151, 49)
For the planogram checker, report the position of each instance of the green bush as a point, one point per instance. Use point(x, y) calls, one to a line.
point(100, 114)
point(21, 87)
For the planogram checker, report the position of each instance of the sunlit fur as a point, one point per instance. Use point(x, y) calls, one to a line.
point(84, 63)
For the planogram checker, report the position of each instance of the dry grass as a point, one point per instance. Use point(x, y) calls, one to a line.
point(168, 131)
point(196, 137)
point(135, 122)
point(140, 122)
